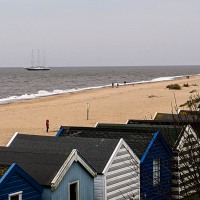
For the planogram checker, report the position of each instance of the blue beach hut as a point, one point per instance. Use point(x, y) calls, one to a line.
point(155, 169)
point(63, 175)
point(15, 183)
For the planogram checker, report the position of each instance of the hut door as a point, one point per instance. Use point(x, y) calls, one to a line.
point(73, 189)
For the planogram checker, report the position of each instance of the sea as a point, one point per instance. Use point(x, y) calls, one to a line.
point(19, 84)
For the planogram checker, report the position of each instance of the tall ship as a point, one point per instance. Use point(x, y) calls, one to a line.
point(38, 66)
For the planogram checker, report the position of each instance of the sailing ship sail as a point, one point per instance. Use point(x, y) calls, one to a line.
point(38, 66)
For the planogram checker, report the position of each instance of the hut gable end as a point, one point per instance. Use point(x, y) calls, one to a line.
point(186, 164)
point(16, 180)
point(122, 173)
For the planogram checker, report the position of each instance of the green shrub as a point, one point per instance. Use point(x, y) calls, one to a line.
point(185, 85)
point(191, 102)
point(194, 84)
point(174, 87)
point(193, 91)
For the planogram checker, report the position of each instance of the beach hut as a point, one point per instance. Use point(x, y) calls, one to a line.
point(63, 174)
point(183, 138)
point(15, 183)
point(150, 148)
point(118, 175)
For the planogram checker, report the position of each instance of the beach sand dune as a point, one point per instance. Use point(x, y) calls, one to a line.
point(107, 105)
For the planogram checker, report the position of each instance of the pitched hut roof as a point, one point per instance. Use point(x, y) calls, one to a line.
point(41, 164)
point(171, 132)
point(44, 165)
point(96, 151)
point(137, 139)
point(183, 118)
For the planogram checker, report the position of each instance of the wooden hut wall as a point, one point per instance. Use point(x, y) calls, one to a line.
point(188, 164)
point(75, 173)
point(161, 190)
point(175, 188)
point(123, 177)
point(99, 187)
point(17, 181)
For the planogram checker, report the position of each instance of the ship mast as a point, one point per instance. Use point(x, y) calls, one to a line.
point(44, 59)
point(32, 59)
point(38, 61)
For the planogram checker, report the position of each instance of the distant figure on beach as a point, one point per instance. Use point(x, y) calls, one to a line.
point(124, 82)
point(47, 125)
point(112, 84)
point(117, 84)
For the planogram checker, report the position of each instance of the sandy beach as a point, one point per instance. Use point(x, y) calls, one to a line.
point(108, 105)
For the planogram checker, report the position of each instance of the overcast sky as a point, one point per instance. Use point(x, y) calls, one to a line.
point(100, 32)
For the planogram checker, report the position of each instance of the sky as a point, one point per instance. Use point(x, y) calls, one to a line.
point(100, 32)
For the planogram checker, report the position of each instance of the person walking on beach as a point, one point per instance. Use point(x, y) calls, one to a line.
point(47, 125)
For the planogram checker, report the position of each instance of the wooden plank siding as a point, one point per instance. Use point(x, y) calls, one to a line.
point(16, 180)
point(183, 174)
point(122, 178)
point(161, 190)
point(175, 188)
point(188, 164)
point(17, 184)
point(75, 173)
point(99, 192)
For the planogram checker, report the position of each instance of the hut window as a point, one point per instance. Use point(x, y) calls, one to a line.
point(156, 171)
point(73, 189)
point(15, 196)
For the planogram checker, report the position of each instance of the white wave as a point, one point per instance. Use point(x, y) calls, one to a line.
point(44, 93)
point(41, 93)
point(167, 78)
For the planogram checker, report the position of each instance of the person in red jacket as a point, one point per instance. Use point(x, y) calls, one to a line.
point(47, 125)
